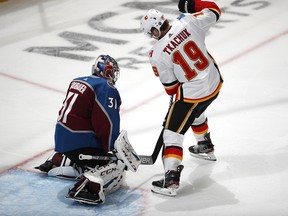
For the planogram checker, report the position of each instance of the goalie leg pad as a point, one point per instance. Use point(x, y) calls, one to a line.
point(67, 168)
point(110, 176)
point(97, 183)
point(65, 172)
point(60, 166)
point(87, 192)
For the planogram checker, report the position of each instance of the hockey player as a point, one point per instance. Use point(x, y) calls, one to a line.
point(185, 68)
point(87, 136)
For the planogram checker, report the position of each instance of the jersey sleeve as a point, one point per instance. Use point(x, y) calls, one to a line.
point(212, 6)
point(205, 14)
point(165, 74)
point(194, 6)
point(105, 115)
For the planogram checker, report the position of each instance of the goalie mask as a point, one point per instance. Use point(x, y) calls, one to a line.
point(153, 18)
point(106, 67)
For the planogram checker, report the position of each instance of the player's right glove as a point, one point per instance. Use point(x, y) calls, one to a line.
point(186, 6)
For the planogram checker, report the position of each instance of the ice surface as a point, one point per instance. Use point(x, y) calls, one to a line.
point(247, 122)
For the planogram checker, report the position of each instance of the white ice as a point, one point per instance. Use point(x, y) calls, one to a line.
point(247, 122)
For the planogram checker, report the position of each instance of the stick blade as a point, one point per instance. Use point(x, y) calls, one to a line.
point(146, 160)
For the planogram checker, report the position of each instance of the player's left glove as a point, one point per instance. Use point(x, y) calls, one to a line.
point(186, 6)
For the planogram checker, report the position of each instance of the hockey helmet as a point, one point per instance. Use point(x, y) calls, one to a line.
point(106, 67)
point(153, 18)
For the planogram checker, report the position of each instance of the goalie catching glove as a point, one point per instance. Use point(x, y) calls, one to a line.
point(125, 152)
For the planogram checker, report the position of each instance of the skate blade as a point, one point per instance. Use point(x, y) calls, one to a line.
point(171, 192)
point(206, 156)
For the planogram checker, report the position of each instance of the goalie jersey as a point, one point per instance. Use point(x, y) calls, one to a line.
point(89, 116)
point(181, 61)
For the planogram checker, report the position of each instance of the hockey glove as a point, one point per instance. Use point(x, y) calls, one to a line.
point(186, 6)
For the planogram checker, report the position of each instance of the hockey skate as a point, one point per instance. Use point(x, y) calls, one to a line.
point(97, 182)
point(46, 166)
point(204, 149)
point(169, 185)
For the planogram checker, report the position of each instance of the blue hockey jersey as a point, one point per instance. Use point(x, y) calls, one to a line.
point(89, 116)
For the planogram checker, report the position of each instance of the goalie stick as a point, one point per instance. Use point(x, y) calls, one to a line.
point(94, 157)
point(144, 159)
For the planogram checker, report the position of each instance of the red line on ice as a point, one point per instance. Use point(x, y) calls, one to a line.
point(227, 61)
point(253, 48)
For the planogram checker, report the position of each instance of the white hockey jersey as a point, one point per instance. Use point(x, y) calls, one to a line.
point(181, 59)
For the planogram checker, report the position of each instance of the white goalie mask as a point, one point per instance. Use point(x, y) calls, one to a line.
point(153, 18)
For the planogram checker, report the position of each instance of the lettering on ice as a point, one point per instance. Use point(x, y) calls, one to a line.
point(184, 34)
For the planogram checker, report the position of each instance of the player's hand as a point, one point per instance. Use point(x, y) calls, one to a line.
point(186, 6)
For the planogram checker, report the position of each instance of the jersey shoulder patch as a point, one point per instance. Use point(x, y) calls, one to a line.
point(180, 16)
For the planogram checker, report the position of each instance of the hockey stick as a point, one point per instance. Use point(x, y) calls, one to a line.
point(144, 159)
point(94, 157)
point(151, 159)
